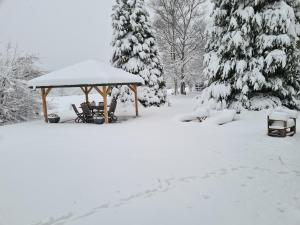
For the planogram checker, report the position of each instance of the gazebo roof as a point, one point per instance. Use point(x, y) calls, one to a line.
point(87, 73)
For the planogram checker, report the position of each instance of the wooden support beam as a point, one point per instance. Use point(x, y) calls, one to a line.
point(104, 91)
point(48, 91)
point(133, 88)
point(86, 94)
point(99, 91)
point(89, 89)
point(108, 91)
point(44, 102)
point(86, 97)
point(83, 90)
point(136, 100)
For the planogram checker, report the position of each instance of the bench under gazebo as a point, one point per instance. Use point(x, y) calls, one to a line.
point(87, 75)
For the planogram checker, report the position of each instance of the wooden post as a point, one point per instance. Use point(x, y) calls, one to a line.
point(86, 94)
point(104, 91)
point(136, 100)
point(44, 102)
point(133, 88)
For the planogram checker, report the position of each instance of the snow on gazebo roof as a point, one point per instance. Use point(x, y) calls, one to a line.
point(87, 73)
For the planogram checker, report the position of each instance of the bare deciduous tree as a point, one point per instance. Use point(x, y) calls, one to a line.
point(180, 34)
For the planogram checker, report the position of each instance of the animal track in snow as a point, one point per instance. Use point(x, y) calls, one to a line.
point(104, 206)
point(206, 197)
point(58, 220)
point(165, 185)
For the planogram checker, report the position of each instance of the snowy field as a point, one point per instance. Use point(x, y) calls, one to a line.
point(149, 170)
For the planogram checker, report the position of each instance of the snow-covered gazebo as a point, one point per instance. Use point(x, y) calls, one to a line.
point(87, 75)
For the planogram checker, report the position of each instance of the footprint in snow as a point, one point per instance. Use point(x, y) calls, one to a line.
point(187, 179)
point(85, 215)
point(149, 195)
point(104, 206)
point(283, 172)
point(52, 220)
point(150, 191)
point(117, 205)
point(296, 198)
point(281, 210)
point(205, 176)
point(260, 169)
point(297, 173)
point(206, 197)
point(243, 167)
point(165, 190)
point(131, 197)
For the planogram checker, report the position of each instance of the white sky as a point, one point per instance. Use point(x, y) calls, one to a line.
point(61, 32)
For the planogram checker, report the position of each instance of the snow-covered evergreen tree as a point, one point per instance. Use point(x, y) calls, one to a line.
point(252, 60)
point(135, 51)
point(17, 102)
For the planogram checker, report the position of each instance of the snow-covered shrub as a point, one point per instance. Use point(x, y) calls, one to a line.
point(251, 52)
point(261, 102)
point(17, 102)
point(135, 51)
point(205, 113)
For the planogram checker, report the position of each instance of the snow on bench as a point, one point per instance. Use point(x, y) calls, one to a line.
point(279, 116)
point(282, 122)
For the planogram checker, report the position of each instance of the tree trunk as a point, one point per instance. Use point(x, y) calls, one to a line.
point(182, 88)
point(182, 77)
point(175, 86)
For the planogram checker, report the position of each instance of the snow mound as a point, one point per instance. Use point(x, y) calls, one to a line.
point(199, 113)
point(224, 116)
point(216, 117)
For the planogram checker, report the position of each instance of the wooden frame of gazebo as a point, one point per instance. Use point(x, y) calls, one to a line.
point(86, 89)
point(100, 81)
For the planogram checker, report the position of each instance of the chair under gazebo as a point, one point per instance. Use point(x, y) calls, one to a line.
point(87, 75)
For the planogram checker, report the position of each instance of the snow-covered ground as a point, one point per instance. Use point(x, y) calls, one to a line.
point(149, 170)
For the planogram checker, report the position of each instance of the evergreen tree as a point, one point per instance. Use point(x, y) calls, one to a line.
point(252, 60)
point(135, 51)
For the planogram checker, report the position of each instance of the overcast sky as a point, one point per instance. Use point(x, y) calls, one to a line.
point(61, 32)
